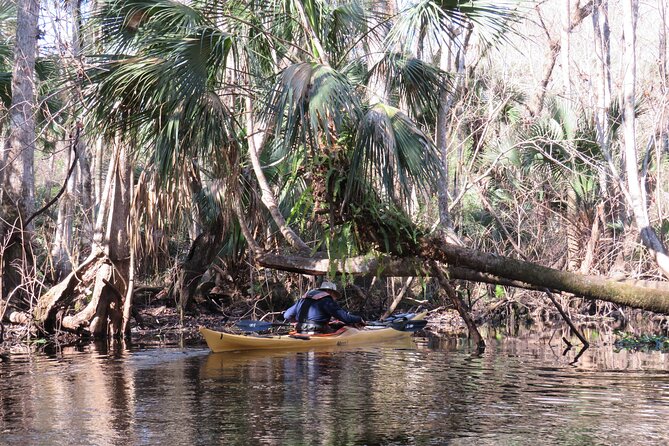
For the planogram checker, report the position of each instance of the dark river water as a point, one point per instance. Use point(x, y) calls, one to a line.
point(519, 392)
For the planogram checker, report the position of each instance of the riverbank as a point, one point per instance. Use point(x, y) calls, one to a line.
point(157, 323)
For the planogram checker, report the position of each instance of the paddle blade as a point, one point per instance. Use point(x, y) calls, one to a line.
point(409, 325)
point(253, 325)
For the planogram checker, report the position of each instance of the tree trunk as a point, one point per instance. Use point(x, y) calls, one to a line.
point(461, 308)
point(97, 172)
point(600, 24)
point(565, 45)
point(573, 235)
point(636, 194)
point(396, 301)
point(61, 248)
point(105, 270)
point(537, 102)
point(128, 298)
point(267, 197)
point(86, 198)
point(119, 248)
point(201, 254)
point(17, 160)
point(441, 138)
point(59, 297)
point(590, 287)
point(203, 249)
point(662, 46)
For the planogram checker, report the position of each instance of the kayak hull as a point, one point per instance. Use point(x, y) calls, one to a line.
point(349, 336)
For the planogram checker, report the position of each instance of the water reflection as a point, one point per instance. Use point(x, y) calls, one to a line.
point(521, 391)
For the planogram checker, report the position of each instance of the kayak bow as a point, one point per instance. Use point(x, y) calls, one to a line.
point(347, 336)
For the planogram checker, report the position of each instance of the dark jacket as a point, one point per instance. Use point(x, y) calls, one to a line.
point(320, 311)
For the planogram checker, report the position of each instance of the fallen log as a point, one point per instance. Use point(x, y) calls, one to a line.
point(471, 265)
point(630, 294)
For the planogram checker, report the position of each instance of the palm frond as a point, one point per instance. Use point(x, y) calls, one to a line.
point(166, 95)
point(48, 71)
point(345, 25)
point(124, 23)
point(393, 155)
point(309, 106)
point(8, 15)
point(416, 83)
point(436, 21)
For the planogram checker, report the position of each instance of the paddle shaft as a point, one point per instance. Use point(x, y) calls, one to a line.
point(401, 325)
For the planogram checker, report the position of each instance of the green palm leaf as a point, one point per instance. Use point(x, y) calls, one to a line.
point(434, 21)
point(125, 23)
point(166, 93)
point(392, 154)
point(7, 19)
point(415, 82)
point(310, 106)
point(345, 25)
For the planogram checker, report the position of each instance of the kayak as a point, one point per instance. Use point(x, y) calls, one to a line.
point(219, 341)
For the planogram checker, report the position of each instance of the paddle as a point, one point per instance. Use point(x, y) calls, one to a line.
point(248, 325)
point(409, 325)
point(400, 325)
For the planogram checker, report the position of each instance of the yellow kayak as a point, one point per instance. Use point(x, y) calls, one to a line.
point(347, 336)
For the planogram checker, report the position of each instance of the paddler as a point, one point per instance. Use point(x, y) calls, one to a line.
point(314, 310)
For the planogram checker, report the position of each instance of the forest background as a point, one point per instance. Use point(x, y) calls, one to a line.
point(213, 156)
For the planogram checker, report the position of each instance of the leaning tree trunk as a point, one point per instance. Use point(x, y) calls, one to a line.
point(267, 196)
point(636, 194)
point(536, 103)
point(17, 178)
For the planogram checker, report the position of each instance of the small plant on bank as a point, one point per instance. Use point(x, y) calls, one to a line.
point(643, 342)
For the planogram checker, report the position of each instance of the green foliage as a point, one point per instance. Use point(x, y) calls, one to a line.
point(415, 82)
point(643, 342)
point(386, 228)
point(562, 148)
point(393, 154)
point(432, 21)
point(173, 79)
point(342, 26)
point(162, 94)
point(309, 105)
point(664, 228)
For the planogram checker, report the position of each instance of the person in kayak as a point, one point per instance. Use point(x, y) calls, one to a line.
point(316, 308)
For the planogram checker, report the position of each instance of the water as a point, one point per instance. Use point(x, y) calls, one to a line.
point(427, 393)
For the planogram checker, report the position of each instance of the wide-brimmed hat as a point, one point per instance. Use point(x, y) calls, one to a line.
point(328, 286)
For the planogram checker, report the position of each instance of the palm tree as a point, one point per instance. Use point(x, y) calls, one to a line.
point(284, 87)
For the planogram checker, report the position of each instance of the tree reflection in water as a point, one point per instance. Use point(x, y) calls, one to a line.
point(521, 390)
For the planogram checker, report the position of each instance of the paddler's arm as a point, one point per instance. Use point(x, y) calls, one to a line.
point(339, 313)
point(290, 314)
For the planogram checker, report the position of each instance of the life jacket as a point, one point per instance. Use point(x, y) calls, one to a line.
point(316, 294)
point(310, 297)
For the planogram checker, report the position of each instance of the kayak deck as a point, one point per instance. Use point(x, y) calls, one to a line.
point(348, 336)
